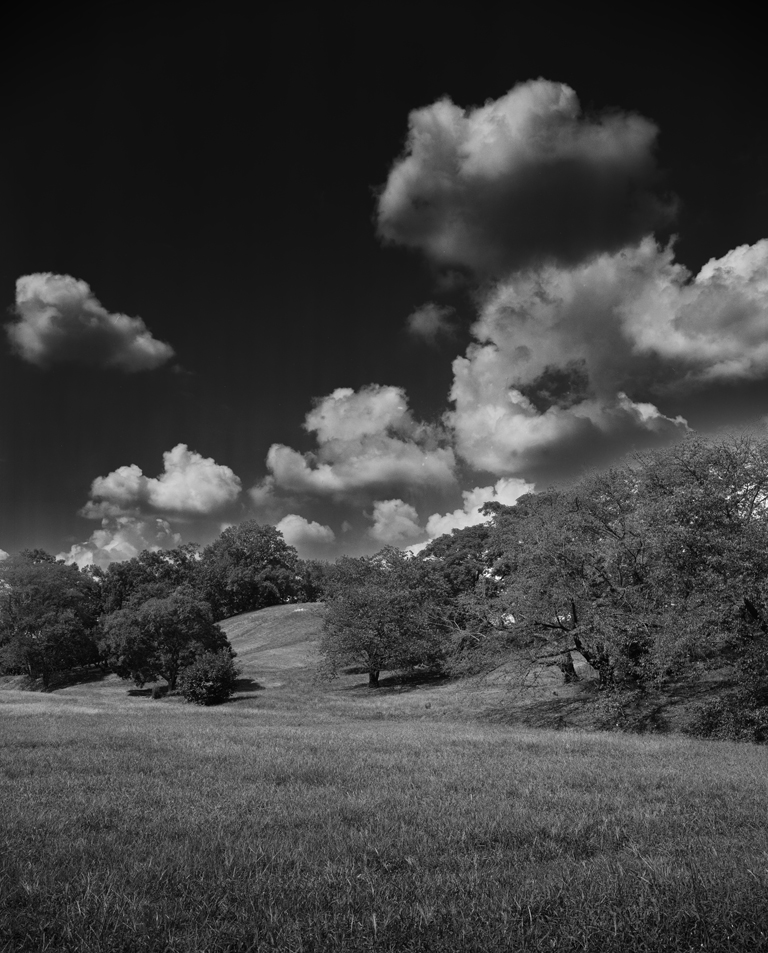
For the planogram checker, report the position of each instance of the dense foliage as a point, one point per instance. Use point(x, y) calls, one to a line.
point(160, 637)
point(210, 679)
point(654, 571)
point(48, 613)
point(248, 567)
point(383, 613)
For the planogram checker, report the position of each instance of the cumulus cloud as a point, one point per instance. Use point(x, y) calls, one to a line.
point(522, 180)
point(310, 538)
point(119, 538)
point(505, 491)
point(190, 485)
point(59, 320)
point(367, 439)
point(395, 523)
point(3, 555)
point(570, 363)
point(430, 322)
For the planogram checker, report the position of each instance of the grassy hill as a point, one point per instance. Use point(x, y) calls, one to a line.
point(276, 639)
point(310, 816)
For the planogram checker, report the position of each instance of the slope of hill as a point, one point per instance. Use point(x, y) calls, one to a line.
point(271, 641)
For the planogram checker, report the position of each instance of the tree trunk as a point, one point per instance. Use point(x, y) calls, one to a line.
point(373, 679)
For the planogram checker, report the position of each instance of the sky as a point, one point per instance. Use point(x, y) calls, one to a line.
point(355, 271)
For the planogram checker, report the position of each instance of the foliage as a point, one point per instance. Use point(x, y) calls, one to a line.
point(48, 612)
point(248, 567)
point(384, 612)
point(210, 679)
point(312, 579)
point(160, 637)
point(152, 574)
point(652, 571)
point(732, 717)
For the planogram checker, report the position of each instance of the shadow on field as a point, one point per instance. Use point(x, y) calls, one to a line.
point(244, 685)
point(670, 708)
point(398, 683)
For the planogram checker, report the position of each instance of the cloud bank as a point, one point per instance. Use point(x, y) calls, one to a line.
point(59, 320)
point(522, 180)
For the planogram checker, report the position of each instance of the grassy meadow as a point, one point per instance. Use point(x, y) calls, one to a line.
point(306, 817)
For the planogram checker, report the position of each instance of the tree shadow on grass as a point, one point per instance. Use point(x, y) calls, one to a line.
point(244, 687)
point(75, 676)
point(398, 682)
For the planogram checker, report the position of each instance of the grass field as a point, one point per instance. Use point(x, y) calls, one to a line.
point(303, 817)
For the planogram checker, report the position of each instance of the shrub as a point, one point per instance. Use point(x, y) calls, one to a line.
point(210, 679)
point(734, 717)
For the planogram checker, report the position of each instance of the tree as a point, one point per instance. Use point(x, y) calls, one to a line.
point(48, 611)
point(248, 567)
point(384, 612)
point(158, 638)
point(151, 574)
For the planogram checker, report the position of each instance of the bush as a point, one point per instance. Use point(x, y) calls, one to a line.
point(210, 679)
point(734, 717)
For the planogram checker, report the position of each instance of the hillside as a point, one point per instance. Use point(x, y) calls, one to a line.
point(278, 658)
point(271, 642)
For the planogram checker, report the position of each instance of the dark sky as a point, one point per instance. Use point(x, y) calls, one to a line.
point(217, 175)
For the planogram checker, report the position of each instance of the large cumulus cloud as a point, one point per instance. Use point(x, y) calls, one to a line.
point(571, 364)
point(59, 320)
point(524, 179)
point(367, 439)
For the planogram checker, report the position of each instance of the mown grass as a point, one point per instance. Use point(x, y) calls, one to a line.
point(164, 827)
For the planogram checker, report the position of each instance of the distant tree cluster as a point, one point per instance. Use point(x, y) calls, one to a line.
point(147, 618)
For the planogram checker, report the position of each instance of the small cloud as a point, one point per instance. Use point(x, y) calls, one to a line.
point(430, 322)
point(3, 555)
point(506, 491)
point(395, 523)
point(190, 485)
point(522, 180)
point(310, 538)
point(367, 439)
point(61, 321)
point(120, 538)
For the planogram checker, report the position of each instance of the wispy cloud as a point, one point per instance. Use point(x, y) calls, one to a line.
point(430, 322)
